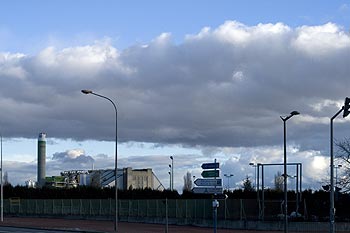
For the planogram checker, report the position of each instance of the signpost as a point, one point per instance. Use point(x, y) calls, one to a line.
point(210, 165)
point(211, 184)
point(210, 173)
point(208, 182)
point(207, 190)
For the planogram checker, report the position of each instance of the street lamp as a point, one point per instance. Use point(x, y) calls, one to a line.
point(228, 180)
point(336, 173)
point(284, 119)
point(172, 173)
point(170, 177)
point(116, 154)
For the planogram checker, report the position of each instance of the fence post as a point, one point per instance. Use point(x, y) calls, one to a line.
point(71, 206)
point(90, 209)
point(176, 208)
point(36, 206)
point(138, 208)
point(166, 216)
point(204, 211)
point(100, 210)
point(195, 209)
point(110, 207)
point(147, 205)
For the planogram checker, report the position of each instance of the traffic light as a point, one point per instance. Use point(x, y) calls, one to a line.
point(346, 107)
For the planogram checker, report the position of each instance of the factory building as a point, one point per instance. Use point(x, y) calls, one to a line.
point(128, 178)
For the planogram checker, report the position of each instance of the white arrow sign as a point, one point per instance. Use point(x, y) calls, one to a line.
point(207, 190)
point(208, 182)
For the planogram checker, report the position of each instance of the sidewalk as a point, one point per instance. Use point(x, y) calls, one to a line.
point(105, 226)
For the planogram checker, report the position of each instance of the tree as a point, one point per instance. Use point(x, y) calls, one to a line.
point(247, 185)
point(187, 182)
point(343, 156)
point(6, 179)
point(279, 182)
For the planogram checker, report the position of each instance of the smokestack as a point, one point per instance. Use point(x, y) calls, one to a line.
point(41, 159)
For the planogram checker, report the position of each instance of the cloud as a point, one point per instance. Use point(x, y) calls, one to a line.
point(223, 87)
point(76, 156)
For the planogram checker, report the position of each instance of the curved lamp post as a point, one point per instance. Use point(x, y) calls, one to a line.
point(116, 154)
point(284, 119)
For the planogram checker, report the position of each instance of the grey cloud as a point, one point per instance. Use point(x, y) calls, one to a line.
point(222, 87)
point(73, 156)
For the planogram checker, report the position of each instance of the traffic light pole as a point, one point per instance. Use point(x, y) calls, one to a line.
point(332, 209)
point(346, 109)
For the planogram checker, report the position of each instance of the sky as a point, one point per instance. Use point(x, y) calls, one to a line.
point(196, 80)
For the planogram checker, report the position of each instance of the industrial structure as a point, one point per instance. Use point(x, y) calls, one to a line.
point(127, 178)
point(41, 159)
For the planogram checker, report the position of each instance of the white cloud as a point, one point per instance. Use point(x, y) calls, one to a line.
point(222, 89)
point(321, 40)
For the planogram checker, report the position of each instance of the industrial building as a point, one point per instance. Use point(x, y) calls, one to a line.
point(127, 178)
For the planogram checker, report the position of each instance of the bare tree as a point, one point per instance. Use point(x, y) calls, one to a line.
point(343, 157)
point(187, 182)
point(279, 182)
point(6, 179)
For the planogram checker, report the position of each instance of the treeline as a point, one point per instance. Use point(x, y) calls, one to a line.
point(88, 192)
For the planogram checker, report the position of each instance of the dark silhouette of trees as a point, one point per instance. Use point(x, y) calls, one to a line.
point(343, 156)
point(314, 204)
point(247, 185)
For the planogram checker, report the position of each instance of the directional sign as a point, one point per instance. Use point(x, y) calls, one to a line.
point(207, 190)
point(210, 173)
point(208, 182)
point(210, 165)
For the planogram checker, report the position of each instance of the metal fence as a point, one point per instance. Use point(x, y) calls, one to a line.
point(232, 213)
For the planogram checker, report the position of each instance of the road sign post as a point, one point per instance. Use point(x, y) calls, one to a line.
point(210, 184)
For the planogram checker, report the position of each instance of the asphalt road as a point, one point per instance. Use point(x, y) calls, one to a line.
point(28, 230)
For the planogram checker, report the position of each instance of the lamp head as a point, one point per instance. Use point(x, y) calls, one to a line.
point(294, 113)
point(171, 157)
point(86, 91)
